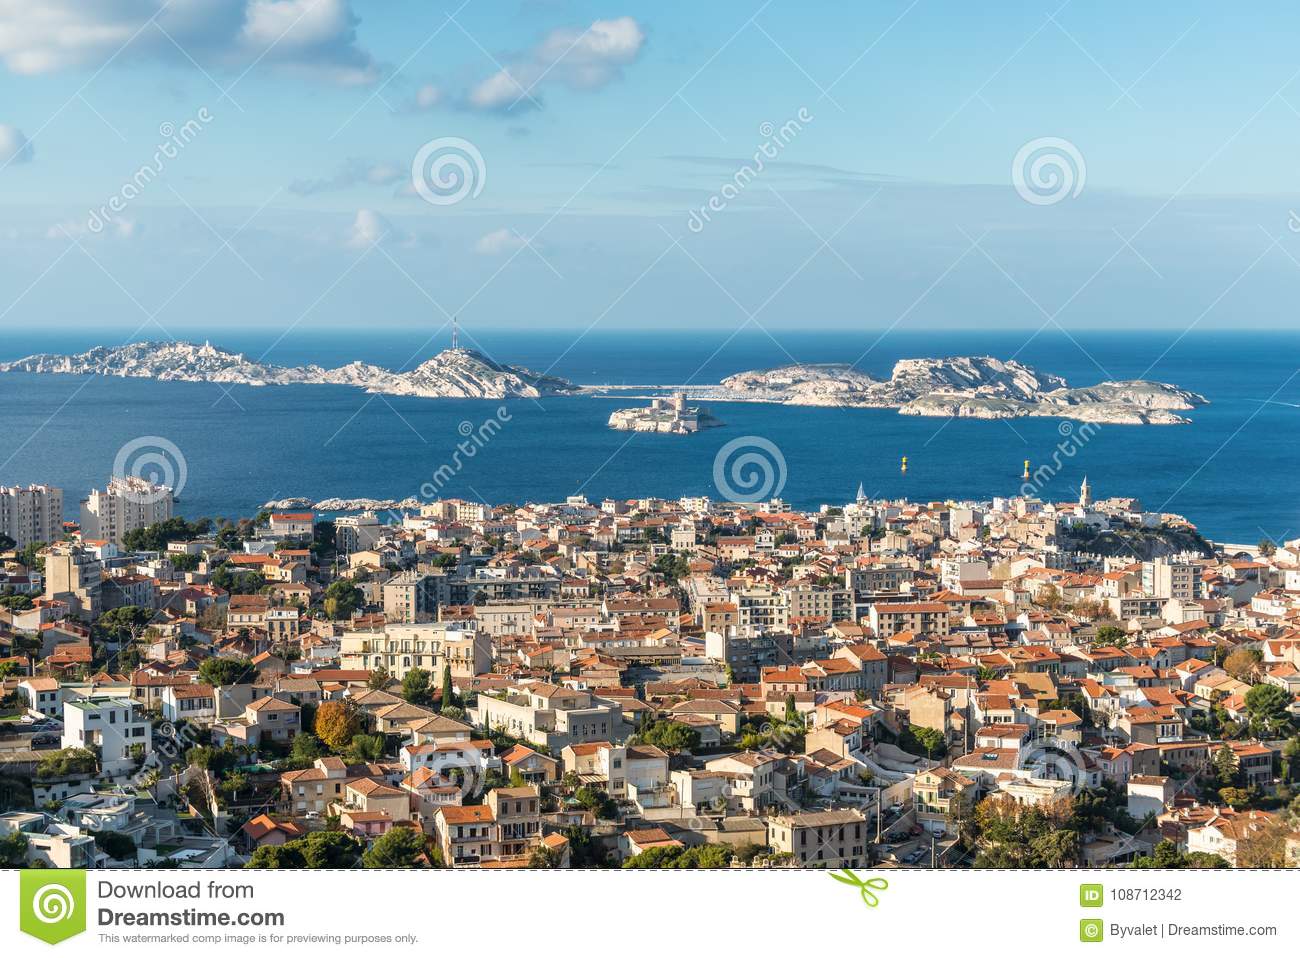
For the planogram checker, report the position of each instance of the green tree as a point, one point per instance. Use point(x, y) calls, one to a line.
point(6, 543)
point(416, 688)
point(332, 850)
point(1267, 707)
point(223, 671)
point(544, 856)
point(1237, 798)
point(184, 561)
point(399, 847)
point(670, 736)
point(1291, 758)
point(288, 855)
point(13, 850)
point(154, 538)
point(1225, 766)
point(125, 623)
point(663, 856)
point(379, 679)
point(342, 598)
point(365, 748)
point(447, 696)
point(672, 567)
point(322, 537)
point(596, 802)
point(1057, 848)
point(791, 710)
point(115, 845)
point(65, 762)
point(1111, 635)
point(929, 739)
point(30, 556)
point(1167, 855)
point(306, 748)
point(237, 580)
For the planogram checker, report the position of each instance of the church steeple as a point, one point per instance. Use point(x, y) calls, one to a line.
point(1085, 493)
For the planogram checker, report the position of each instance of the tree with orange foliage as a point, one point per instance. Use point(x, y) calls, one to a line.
point(337, 722)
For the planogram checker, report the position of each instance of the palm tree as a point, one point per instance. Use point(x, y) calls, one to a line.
point(150, 781)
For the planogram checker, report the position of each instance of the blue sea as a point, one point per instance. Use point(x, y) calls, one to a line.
point(1233, 471)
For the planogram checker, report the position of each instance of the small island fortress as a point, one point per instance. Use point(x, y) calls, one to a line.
point(666, 414)
point(978, 387)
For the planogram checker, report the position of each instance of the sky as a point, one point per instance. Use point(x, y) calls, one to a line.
point(539, 164)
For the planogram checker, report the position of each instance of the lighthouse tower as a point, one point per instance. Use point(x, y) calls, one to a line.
point(1085, 493)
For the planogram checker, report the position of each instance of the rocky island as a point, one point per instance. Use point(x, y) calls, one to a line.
point(669, 414)
point(979, 387)
point(452, 373)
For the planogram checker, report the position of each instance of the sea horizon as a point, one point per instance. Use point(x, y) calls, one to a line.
point(336, 441)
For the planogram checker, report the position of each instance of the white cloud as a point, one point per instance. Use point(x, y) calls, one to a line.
point(314, 35)
point(14, 146)
point(354, 172)
point(427, 97)
point(498, 242)
point(579, 59)
point(369, 229)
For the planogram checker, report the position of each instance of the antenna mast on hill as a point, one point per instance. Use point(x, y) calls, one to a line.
point(455, 334)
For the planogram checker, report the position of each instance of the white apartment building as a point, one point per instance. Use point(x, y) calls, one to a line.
point(110, 727)
point(761, 610)
point(429, 646)
point(410, 597)
point(34, 514)
point(550, 715)
point(1169, 580)
point(357, 533)
point(127, 503)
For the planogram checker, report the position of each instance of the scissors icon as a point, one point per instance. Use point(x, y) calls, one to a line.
point(864, 886)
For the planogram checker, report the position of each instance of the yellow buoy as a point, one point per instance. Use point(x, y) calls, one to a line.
point(904, 464)
point(1026, 469)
